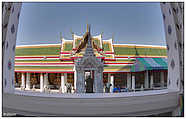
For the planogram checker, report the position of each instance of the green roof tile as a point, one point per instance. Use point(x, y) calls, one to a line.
point(140, 51)
point(38, 51)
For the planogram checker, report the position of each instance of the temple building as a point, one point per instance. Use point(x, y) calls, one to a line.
point(86, 64)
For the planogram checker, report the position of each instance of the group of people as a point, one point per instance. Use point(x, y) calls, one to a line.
point(89, 88)
point(116, 89)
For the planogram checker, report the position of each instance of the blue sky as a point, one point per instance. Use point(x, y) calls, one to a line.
point(131, 23)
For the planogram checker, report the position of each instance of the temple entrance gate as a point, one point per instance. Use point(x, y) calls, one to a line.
point(89, 62)
point(89, 81)
point(95, 67)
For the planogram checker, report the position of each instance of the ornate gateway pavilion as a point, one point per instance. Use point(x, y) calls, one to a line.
point(87, 64)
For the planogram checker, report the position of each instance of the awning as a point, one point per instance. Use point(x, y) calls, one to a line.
point(143, 64)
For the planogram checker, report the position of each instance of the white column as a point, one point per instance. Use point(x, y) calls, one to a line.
point(41, 82)
point(28, 81)
point(128, 80)
point(75, 79)
point(162, 79)
point(112, 83)
point(133, 82)
point(63, 81)
point(22, 80)
point(109, 81)
point(45, 80)
point(146, 79)
point(151, 81)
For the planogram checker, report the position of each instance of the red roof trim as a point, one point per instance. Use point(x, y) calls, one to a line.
point(44, 71)
point(137, 57)
point(121, 57)
point(65, 52)
point(36, 57)
point(109, 53)
point(41, 63)
point(118, 63)
point(109, 59)
point(66, 59)
point(116, 72)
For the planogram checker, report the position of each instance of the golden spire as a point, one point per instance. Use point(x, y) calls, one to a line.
point(61, 36)
point(101, 40)
point(71, 31)
point(101, 34)
point(112, 36)
point(88, 27)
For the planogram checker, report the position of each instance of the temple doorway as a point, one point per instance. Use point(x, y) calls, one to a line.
point(89, 81)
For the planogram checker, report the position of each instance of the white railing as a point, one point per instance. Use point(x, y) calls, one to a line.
point(90, 95)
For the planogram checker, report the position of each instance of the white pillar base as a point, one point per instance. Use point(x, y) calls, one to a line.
point(28, 81)
point(162, 79)
point(151, 81)
point(146, 79)
point(112, 83)
point(45, 81)
point(63, 82)
point(41, 83)
point(133, 83)
point(128, 80)
point(22, 81)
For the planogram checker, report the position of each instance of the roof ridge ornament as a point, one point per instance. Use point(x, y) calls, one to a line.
point(61, 36)
point(87, 37)
point(88, 28)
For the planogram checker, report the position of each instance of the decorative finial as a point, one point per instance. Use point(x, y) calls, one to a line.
point(112, 36)
point(71, 31)
point(88, 27)
point(101, 34)
point(61, 36)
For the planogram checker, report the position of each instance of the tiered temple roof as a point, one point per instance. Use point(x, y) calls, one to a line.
point(60, 57)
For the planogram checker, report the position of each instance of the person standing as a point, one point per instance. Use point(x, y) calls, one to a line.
point(68, 87)
point(107, 87)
